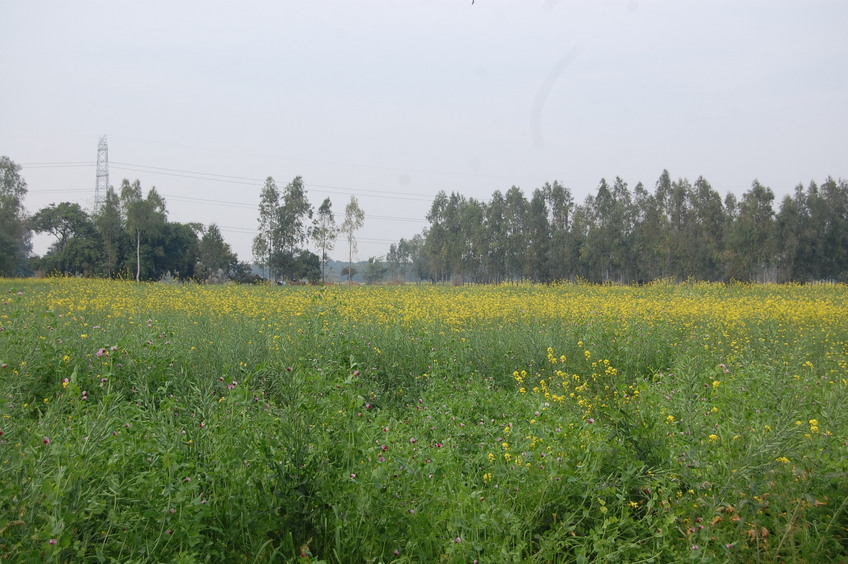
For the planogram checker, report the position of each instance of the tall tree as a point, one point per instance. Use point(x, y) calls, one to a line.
point(751, 237)
point(144, 217)
point(560, 205)
point(496, 232)
point(515, 240)
point(834, 229)
point(14, 232)
point(679, 210)
point(263, 243)
point(110, 226)
point(353, 222)
point(791, 230)
point(291, 229)
point(324, 233)
point(438, 238)
point(473, 234)
point(602, 232)
point(538, 237)
point(704, 232)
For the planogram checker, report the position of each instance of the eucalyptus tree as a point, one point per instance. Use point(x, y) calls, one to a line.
point(473, 237)
point(143, 217)
point(599, 243)
point(515, 222)
point(621, 226)
point(495, 230)
point(264, 241)
point(560, 205)
point(14, 231)
point(678, 209)
point(353, 222)
point(291, 229)
point(664, 243)
point(324, 233)
point(455, 241)
point(415, 250)
point(113, 237)
point(792, 242)
point(436, 243)
point(704, 232)
point(538, 238)
point(751, 237)
point(834, 230)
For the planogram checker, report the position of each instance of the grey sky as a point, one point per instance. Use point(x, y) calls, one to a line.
point(394, 101)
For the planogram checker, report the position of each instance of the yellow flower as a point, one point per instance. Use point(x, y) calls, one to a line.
point(669, 419)
point(713, 437)
point(782, 459)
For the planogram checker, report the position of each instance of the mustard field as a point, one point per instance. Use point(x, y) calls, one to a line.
point(563, 423)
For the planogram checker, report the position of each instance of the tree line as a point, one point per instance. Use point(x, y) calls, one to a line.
point(679, 230)
point(128, 235)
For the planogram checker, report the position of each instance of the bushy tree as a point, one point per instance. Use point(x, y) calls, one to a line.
point(78, 248)
point(215, 257)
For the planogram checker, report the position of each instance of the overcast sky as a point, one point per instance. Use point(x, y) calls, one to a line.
point(394, 101)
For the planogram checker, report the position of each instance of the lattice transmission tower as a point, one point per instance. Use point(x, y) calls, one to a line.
point(102, 185)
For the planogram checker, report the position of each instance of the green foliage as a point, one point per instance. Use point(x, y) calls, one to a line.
point(353, 222)
point(14, 232)
point(324, 436)
point(680, 231)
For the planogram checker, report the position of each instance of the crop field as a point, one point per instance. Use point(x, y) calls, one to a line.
point(570, 423)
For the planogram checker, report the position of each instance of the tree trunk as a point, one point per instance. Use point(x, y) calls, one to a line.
point(137, 255)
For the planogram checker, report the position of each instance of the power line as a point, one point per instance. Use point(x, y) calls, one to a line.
point(245, 181)
point(249, 179)
point(250, 206)
point(193, 172)
point(67, 164)
point(63, 190)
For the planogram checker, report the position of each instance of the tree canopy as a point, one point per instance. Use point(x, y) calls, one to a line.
point(680, 230)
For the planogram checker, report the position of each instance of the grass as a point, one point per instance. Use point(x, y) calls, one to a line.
point(574, 423)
